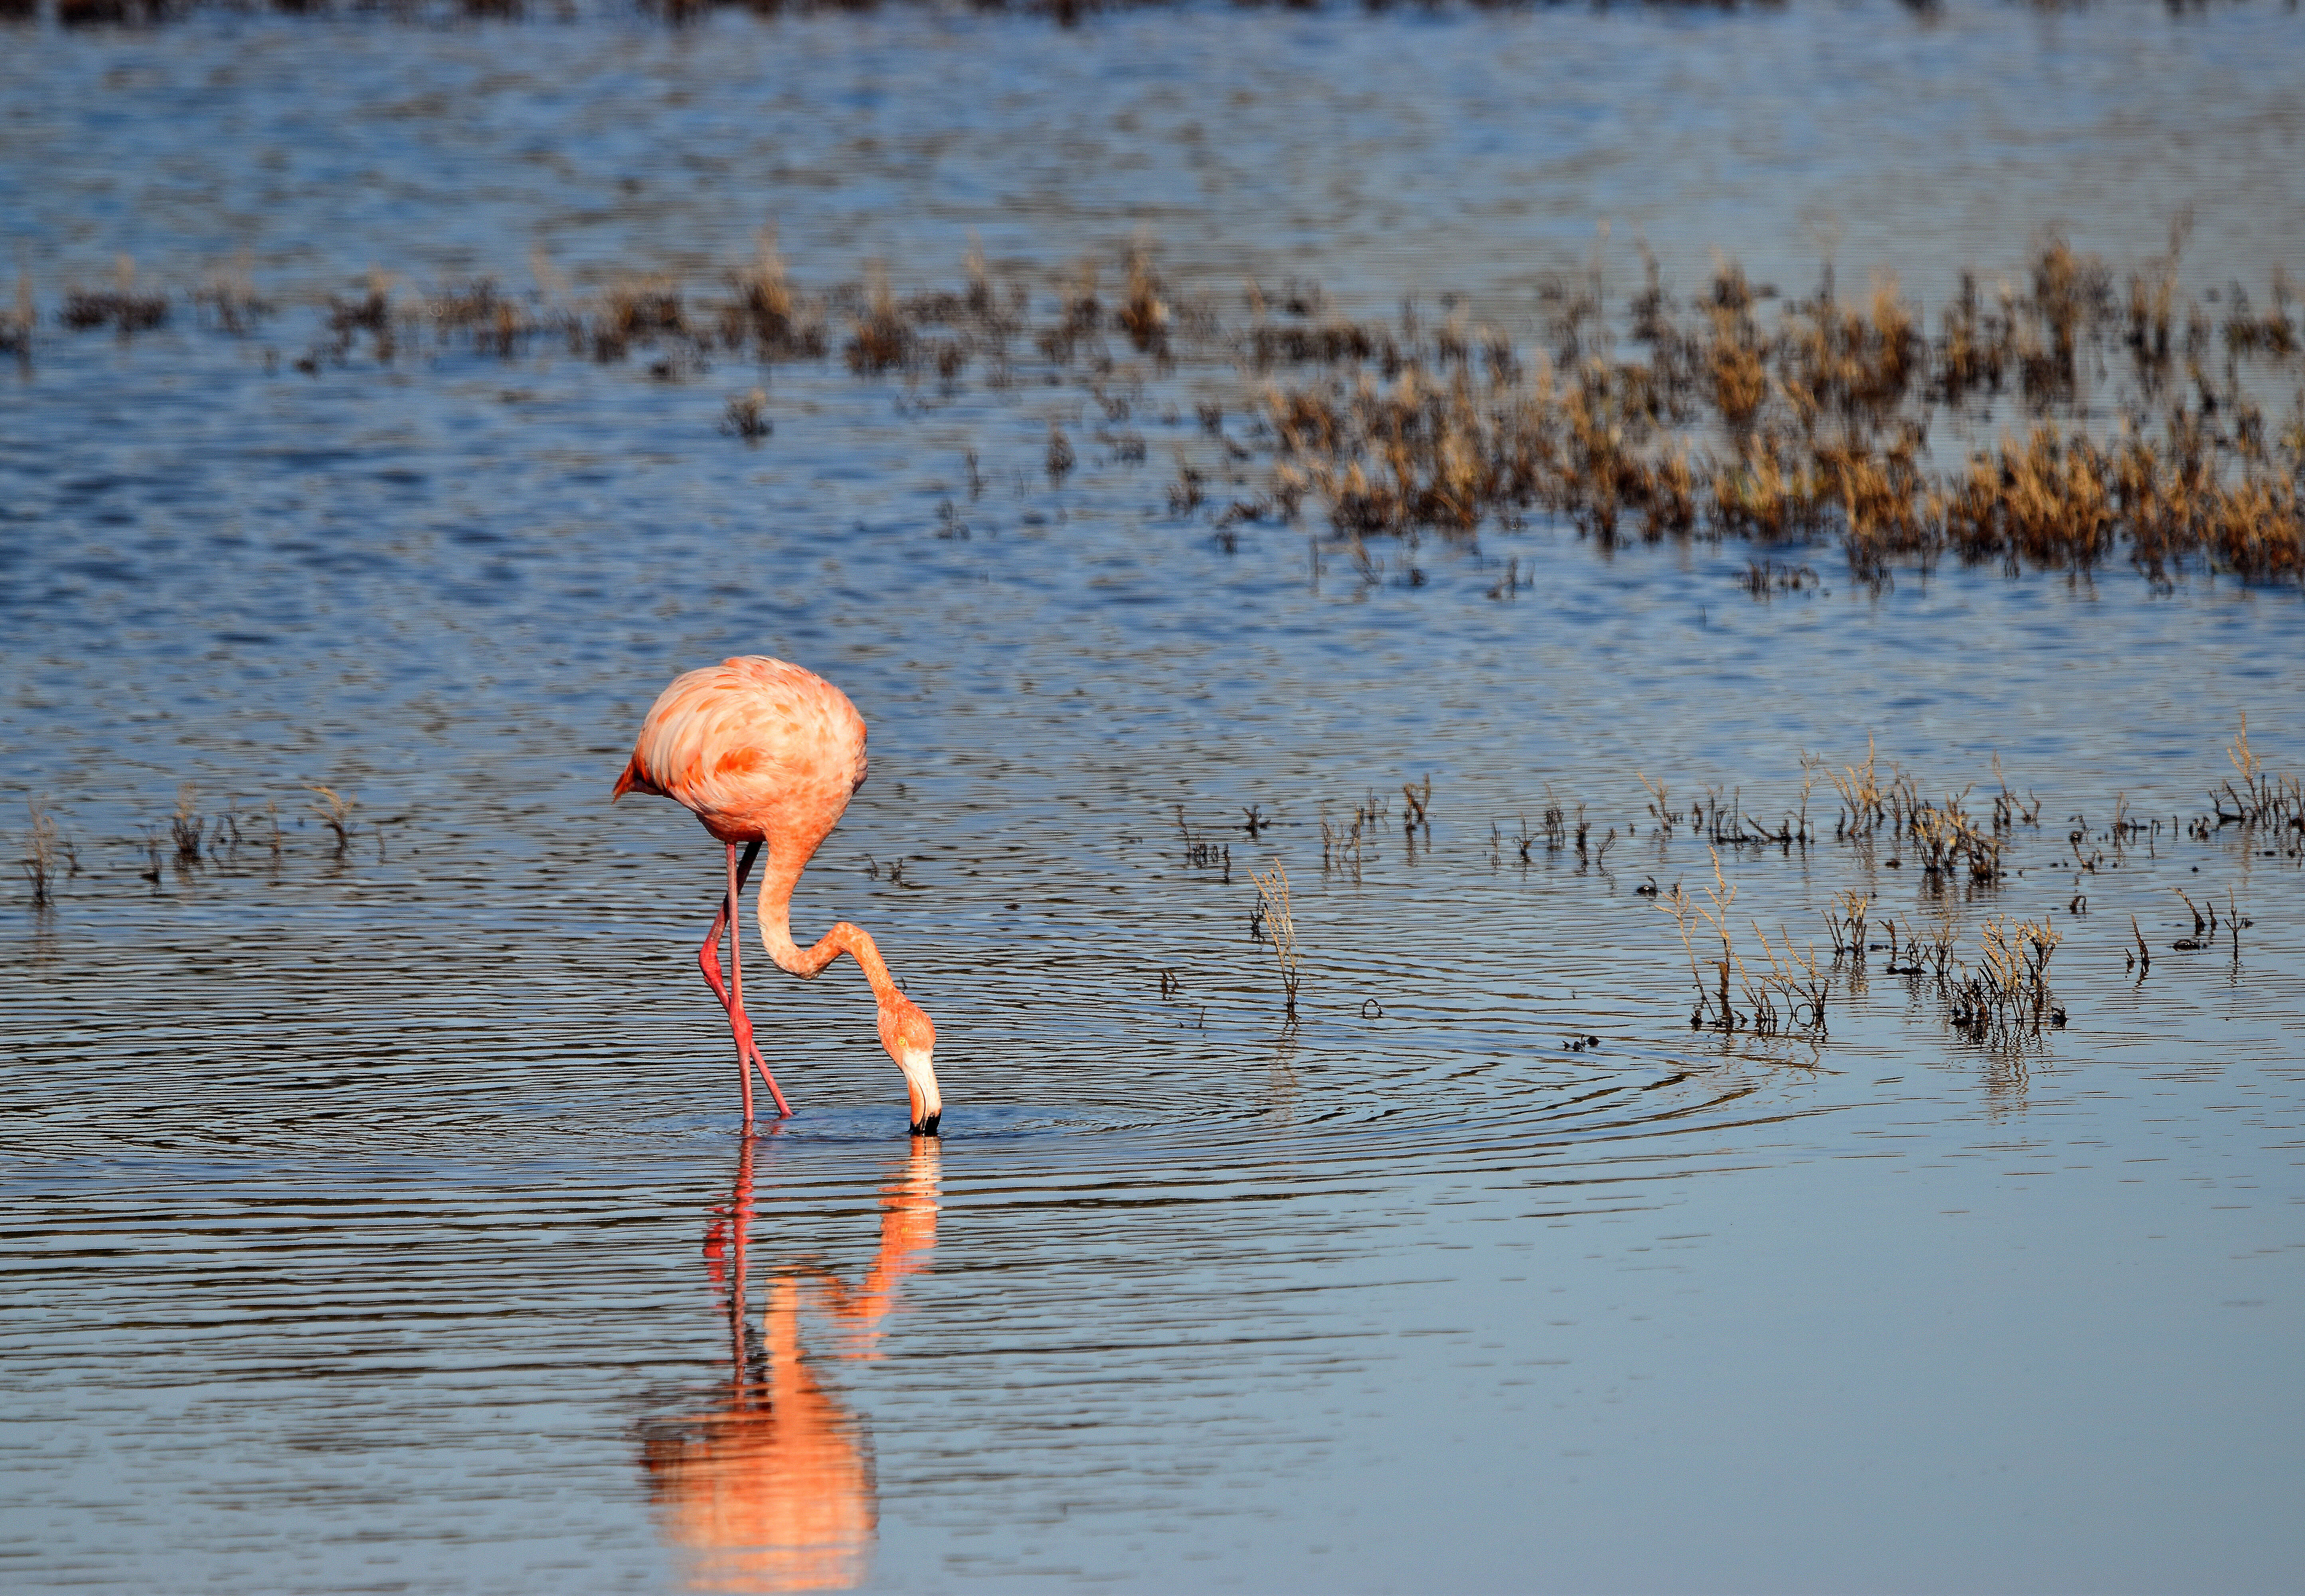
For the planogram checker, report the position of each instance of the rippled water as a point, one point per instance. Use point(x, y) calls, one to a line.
point(375, 1213)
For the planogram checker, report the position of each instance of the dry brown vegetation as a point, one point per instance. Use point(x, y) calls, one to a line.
point(1818, 426)
point(1781, 986)
point(121, 308)
point(2105, 417)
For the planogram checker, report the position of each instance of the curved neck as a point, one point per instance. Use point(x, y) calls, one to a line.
point(777, 879)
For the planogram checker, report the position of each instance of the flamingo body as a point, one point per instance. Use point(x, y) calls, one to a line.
point(754, 748)
point(767, 754)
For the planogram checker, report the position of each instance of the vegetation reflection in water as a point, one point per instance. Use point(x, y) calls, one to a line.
point(771, 1487)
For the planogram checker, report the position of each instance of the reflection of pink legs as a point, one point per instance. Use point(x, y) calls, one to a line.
point(723, 1256)
point(732, 994)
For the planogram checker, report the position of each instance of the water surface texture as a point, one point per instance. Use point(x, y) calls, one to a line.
point(375, 1205)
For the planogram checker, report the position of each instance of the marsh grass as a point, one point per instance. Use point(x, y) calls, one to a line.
point(1144, 315)
point(1738, 415)
point(1848, 921)
point(1781, 987)
point(1816, 428)
point(42, 849)
point(122, 307)
point(187, 827)
point(1281, 928)
point(1947, 840)
point(764, 315)
point(333, 810)
point(2006, 997)
point(746, 416)
point(2264, 797)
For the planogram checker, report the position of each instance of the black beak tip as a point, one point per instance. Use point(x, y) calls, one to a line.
point(927, 1127)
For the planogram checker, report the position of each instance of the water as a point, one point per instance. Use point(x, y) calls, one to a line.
point(374, 1212)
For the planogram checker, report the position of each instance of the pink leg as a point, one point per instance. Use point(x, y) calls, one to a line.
point(708, 957)
point(738, 1020)
point(731, 995)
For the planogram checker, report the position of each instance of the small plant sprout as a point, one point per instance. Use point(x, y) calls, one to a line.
point(334, 812)
point(1281, 926)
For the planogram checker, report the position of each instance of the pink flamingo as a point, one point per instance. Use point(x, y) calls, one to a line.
point(765, 752)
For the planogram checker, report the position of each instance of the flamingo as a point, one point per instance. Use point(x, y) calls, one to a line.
point(770, 1487)
point(763, 752)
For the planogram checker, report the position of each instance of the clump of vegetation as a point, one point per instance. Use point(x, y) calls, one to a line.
point(883, 340)
point(1948, 841)
point(1706, 421)
point(1782, 989)
point(2007, 997)
point(764, 315)
point(1345, 844)
point(187, 826)
point(2264, 797)
point(1144, 315)
point(493, 322)
point(1820, 428)
point(747, 416)
point(641, 312)
point(122, 307)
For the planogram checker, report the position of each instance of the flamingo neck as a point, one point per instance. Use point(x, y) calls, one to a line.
point(776, 884)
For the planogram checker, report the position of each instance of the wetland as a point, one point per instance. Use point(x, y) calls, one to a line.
point(1585, 725)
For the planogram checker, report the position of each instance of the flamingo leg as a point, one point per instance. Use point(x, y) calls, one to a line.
point(708, 957)
point(732, 994)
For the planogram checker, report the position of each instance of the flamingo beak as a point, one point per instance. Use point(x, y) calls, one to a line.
point(920, 1085)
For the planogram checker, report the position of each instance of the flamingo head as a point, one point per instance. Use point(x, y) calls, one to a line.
point(910, 1037)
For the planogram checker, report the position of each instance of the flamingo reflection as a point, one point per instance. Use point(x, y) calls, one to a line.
point(771, 1487)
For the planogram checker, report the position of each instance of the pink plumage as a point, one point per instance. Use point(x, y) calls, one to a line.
point(751, 746)
point(767, 754)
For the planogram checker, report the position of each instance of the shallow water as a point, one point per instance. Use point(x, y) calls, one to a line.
point(373, 1212)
